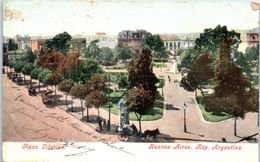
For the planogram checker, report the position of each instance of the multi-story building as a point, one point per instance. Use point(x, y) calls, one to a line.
point(23, 43)
point(36, 44)
point(77, 44)
point(132, 39)
point(173, 43)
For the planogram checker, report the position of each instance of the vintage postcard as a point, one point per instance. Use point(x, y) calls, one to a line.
point(130, 80)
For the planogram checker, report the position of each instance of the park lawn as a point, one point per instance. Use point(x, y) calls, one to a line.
point(211, 116)
point(114, 76)
point(121, 66)
point(159, 65)
point(156, 113)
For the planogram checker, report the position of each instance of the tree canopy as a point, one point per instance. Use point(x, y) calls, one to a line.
point(59, 43)
point(210, 39)
point(155, 45)
point(107, 56)
point(93, 51)
point(200, 72)
point(86, 69)
point(140, 72)
point(142, 93)
point(12, 45)
point(122, 53)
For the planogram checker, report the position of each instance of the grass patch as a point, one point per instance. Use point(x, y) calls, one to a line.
point(209, 85)
point(114, 76)
point(159, 65)
point(119, 66)
point(154, 114)
point(211, 116)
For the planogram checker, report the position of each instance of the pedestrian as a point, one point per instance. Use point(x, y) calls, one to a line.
point(169, 78)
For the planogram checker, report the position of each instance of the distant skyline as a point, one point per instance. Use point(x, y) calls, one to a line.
point(86, 17)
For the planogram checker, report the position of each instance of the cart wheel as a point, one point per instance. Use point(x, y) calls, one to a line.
point(123, 137)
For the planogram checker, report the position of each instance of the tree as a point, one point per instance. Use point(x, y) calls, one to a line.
point(27, 68)
point(93, 51)
point(59, 43)
point(96, 83)
point(96, 98)
point(233, 88)
point(199, 73)
point(65, 87)
point(249, 61)
point(188, 57)
point(79, 91)
point(18, 67)
point(107, 56)
point(140, 102)
point(123, 53)
point(35, 73)
point(84, 72)
point(243, 62)
point(52, 61)
point(72, 62)
point(211, 38)
point(140, 98)
point(29, 57)
point(155, 45)
point(54, 80)
point(140, 72)
point(44, 76)
point(122, 81)
point(12, 45)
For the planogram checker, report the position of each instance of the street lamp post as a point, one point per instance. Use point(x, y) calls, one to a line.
point(184, 106)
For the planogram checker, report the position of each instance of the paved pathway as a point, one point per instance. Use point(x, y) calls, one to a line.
point(26, 118)
point(171, 124)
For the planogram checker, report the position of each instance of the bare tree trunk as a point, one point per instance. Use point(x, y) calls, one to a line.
point(87, 114)
point(82, 107)
point(98, 115)
point(71, 104)
point(201, 92)
point(39, 86)
point(66, 99)
point(139, 120)
point(235, 126)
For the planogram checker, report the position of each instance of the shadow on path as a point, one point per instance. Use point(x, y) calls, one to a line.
point(75, 109)
point(63, 102)
point(171, 107)
point(195, 134)
point(249, 138)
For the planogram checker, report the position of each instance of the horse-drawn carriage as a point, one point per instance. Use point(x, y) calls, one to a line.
point(47, 97)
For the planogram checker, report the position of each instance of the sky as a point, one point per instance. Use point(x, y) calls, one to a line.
point(86, 17)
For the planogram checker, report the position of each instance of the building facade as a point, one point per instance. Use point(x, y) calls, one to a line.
point(252, 39)
point(132, 39)
point(77, 44)
point(23, 43)
point(173, 43)
point(36, 44)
